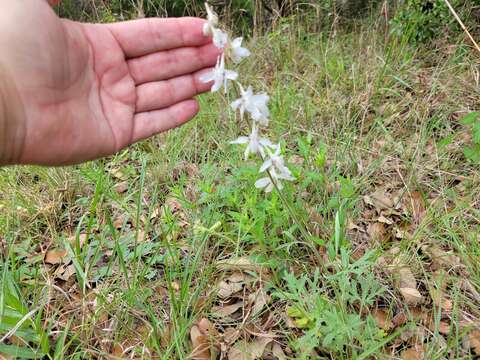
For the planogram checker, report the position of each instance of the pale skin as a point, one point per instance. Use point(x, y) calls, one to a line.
point(72, 92)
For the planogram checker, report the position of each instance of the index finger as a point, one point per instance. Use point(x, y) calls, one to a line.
point(145, 36)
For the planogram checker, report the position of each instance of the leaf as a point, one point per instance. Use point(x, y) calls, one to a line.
point(249, 351)
point(224, 311)
point(227, 289)
point(472, 153)
point(407, 280)
point(476, 133)
point(415, 353)
point(200, 344)
point(55, 257)
point(377, 232)
point(382, 319)
point(470, 118)
point(379, 200)
point(117, 173)
point(416, 206)
point(207, 328)
point(121, 187)
point(474, 338)
point(65, 272)
point(258, 346)
point(441, 258)
point(259, 299)
point(278, 352)
point(412, 296)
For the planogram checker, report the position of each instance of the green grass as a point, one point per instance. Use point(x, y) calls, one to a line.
point(357, 115)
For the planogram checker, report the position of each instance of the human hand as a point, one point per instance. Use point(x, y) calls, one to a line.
point(76, 92)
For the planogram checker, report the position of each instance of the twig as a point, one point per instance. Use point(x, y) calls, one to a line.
point(452, 10)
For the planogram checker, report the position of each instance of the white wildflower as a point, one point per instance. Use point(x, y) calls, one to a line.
point(237, 52)
point(256, 105)
point(212, 21)
point(220, 38)
point(256, 144)
point(276, 164)
point(219, 75)
point(264, 183)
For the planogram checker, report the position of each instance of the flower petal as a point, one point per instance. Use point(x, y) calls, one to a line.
point(269, 188)
point(235, 104)
point(240, 140)
point(230, 74)
point(205, 78)
point(261, 183)
point(266, 165)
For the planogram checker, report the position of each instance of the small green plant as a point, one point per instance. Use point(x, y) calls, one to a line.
point(421, 21)
point(472, 152)
point(326, 307)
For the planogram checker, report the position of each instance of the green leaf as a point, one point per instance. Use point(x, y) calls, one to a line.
point(294, 311)
point(445, 141)
point(472, 153)
point(476, 133)
point(470, 118)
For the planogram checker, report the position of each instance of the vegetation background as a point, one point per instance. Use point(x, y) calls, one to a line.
point(166, 250)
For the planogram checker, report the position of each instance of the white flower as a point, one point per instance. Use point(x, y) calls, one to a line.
point(256, 105)
point(255, 145)
point(219, 75)
point(237, 51)
point(276, 164)
point(220, 38)
point(264, 183)
point(212, 19)
point(277, 170)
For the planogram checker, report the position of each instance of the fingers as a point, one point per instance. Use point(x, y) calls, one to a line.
point(162, 94)
point(145, 36)
point(168, 64)
point(147, 124)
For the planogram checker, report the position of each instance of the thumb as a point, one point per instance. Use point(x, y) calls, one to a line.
point(53, 2)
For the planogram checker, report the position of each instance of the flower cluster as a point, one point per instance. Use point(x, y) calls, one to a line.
point(255, 105)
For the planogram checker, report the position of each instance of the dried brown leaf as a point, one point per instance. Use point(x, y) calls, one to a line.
point(65, 272)
point(412, 296)
point(117, 173)
point(382, 319)
point(278, 352)
point(377, 232)
point(121, 187)
point(414, 353)
point(406, 277)
point(227, 289)
point(207, 328)
point(444, 328)
point(55, 257)
point(379, 199)
point(200, 344)
point(441, 258)
point(230, 335)
point(227, 310)
point(259, 299)
point(475, 341)
point(416, 206)
point(249, 351)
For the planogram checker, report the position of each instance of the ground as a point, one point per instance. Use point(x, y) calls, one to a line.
point(166, 250)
